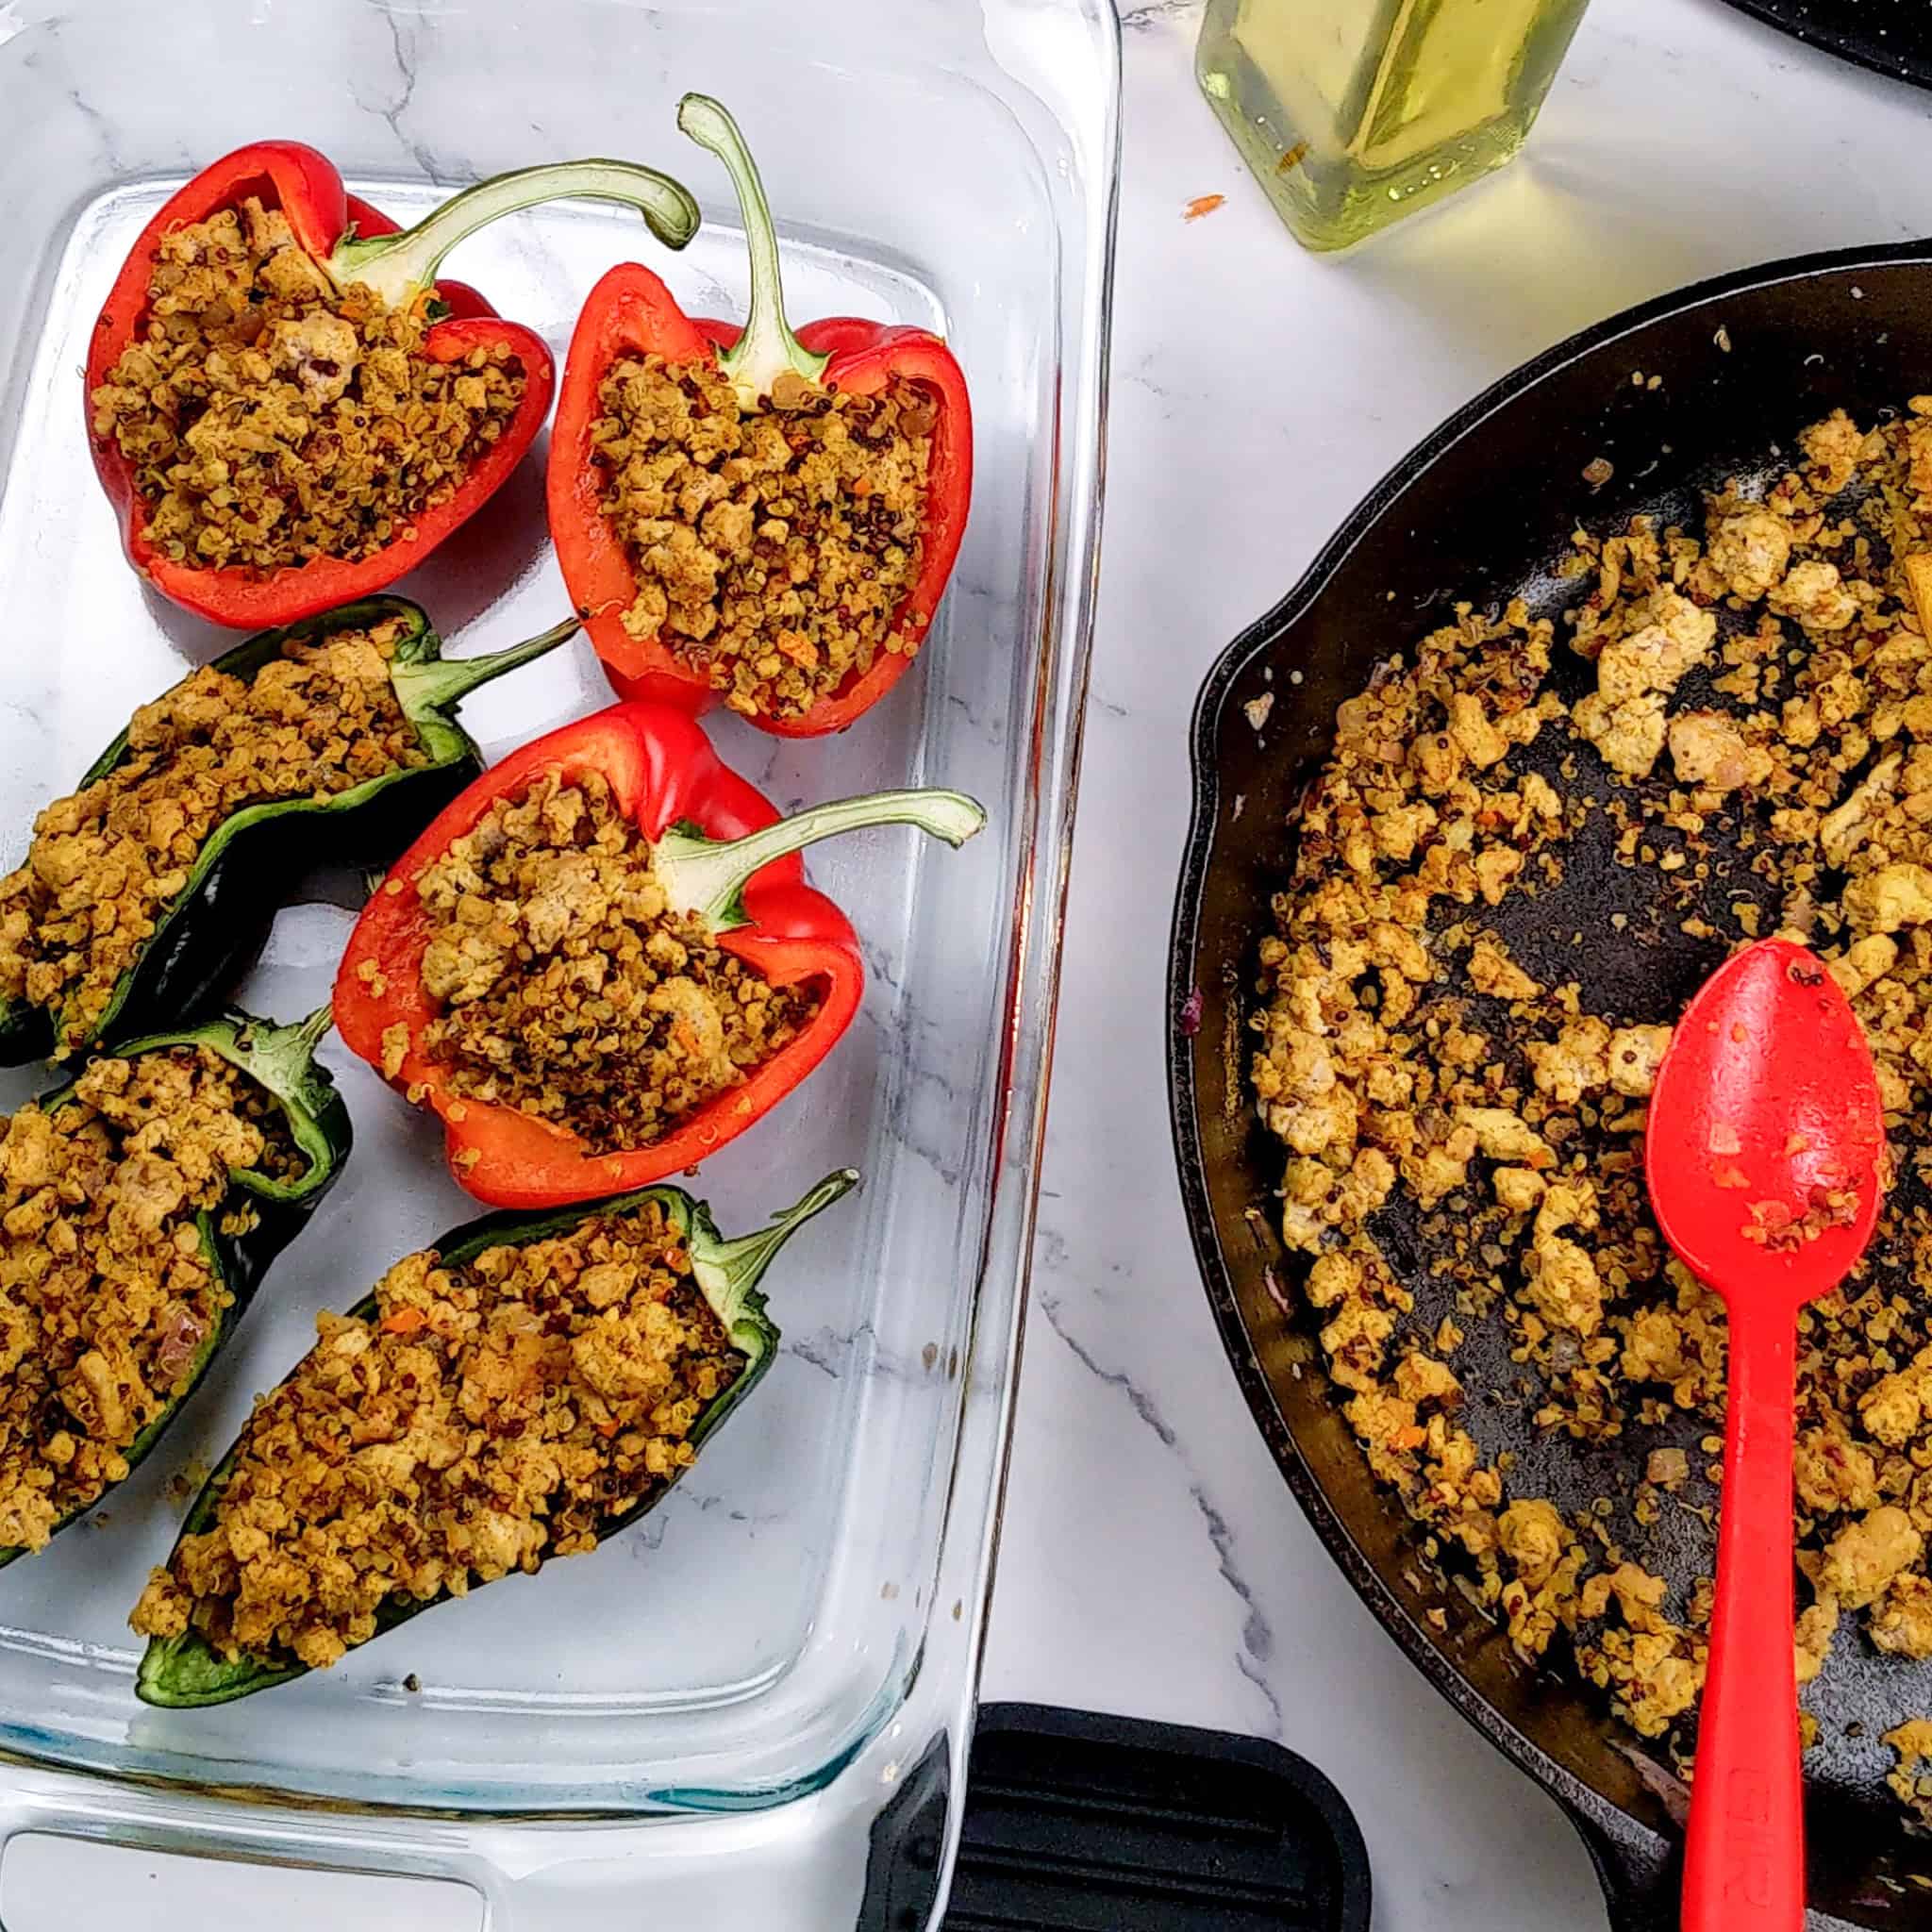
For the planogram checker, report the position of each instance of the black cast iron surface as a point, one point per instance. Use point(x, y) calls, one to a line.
point(1483, 510)
point(1891, 37)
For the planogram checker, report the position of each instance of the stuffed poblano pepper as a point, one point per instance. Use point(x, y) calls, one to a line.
point(151, 885)
point(139, 1207)
point(525, 1389)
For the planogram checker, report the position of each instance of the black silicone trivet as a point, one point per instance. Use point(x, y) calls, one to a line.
point(1891, 37)
point(1076, 1822)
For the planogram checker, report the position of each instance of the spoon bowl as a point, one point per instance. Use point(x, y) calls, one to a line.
point(1766, 1130)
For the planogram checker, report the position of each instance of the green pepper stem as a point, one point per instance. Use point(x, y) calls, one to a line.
point(704, 878)
point(397, 267)
point(767, 348)
point(312, 1032)
point(736, 1267)
point(436, 684)
point(280, 1057)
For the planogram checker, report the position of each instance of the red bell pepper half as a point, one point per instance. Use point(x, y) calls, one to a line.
point(631, 313)
point(722, 854)
point(350, 242)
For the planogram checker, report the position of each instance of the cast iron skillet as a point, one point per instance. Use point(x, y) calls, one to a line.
point(1482, 509)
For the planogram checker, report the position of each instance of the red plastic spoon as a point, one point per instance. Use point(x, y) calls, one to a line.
point(1762, 1153)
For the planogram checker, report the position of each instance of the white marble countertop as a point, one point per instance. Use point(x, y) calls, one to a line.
point(1152, 1562)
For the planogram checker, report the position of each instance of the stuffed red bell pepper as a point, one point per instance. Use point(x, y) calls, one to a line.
point(602, 961)
point(753, 516)
point(287, 407)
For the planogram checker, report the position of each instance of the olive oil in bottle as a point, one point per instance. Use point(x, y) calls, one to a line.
point(1355, 112)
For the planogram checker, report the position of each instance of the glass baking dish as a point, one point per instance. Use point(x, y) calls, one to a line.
point(764, 1665)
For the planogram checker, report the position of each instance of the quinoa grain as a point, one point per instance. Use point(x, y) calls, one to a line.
point(486, 1418)
point(108, 1290)
point(271, 420)
point(107, 862)
point(772, 549)
point(1741, 735)
point(568, 990)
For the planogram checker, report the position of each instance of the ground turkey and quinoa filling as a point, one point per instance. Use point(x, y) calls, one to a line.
point(107, 1291)
point(1526, 852)
point(568, 990)
point(773, 548)
point(487, 1417)
point(107, 862)
point(271, 419)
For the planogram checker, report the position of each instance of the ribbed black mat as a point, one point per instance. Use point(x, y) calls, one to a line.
point(1076, 1822)
point(1891, 37)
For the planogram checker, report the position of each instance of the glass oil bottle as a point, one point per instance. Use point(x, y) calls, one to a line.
point(1355, 112)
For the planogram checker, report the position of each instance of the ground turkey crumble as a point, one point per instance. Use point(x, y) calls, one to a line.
point(107, 1291)
point(1518, 862)
point(271, 419)
point(772, 549)
point(488, 1418)
point(107, 862)
point(566, 987)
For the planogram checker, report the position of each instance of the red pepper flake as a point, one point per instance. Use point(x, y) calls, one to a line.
point(1774, 1226)
point(1293, 159)
point(1202, 205)
point(1190, 1014)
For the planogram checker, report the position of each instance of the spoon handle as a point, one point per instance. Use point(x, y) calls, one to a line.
point(1745, 1855)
